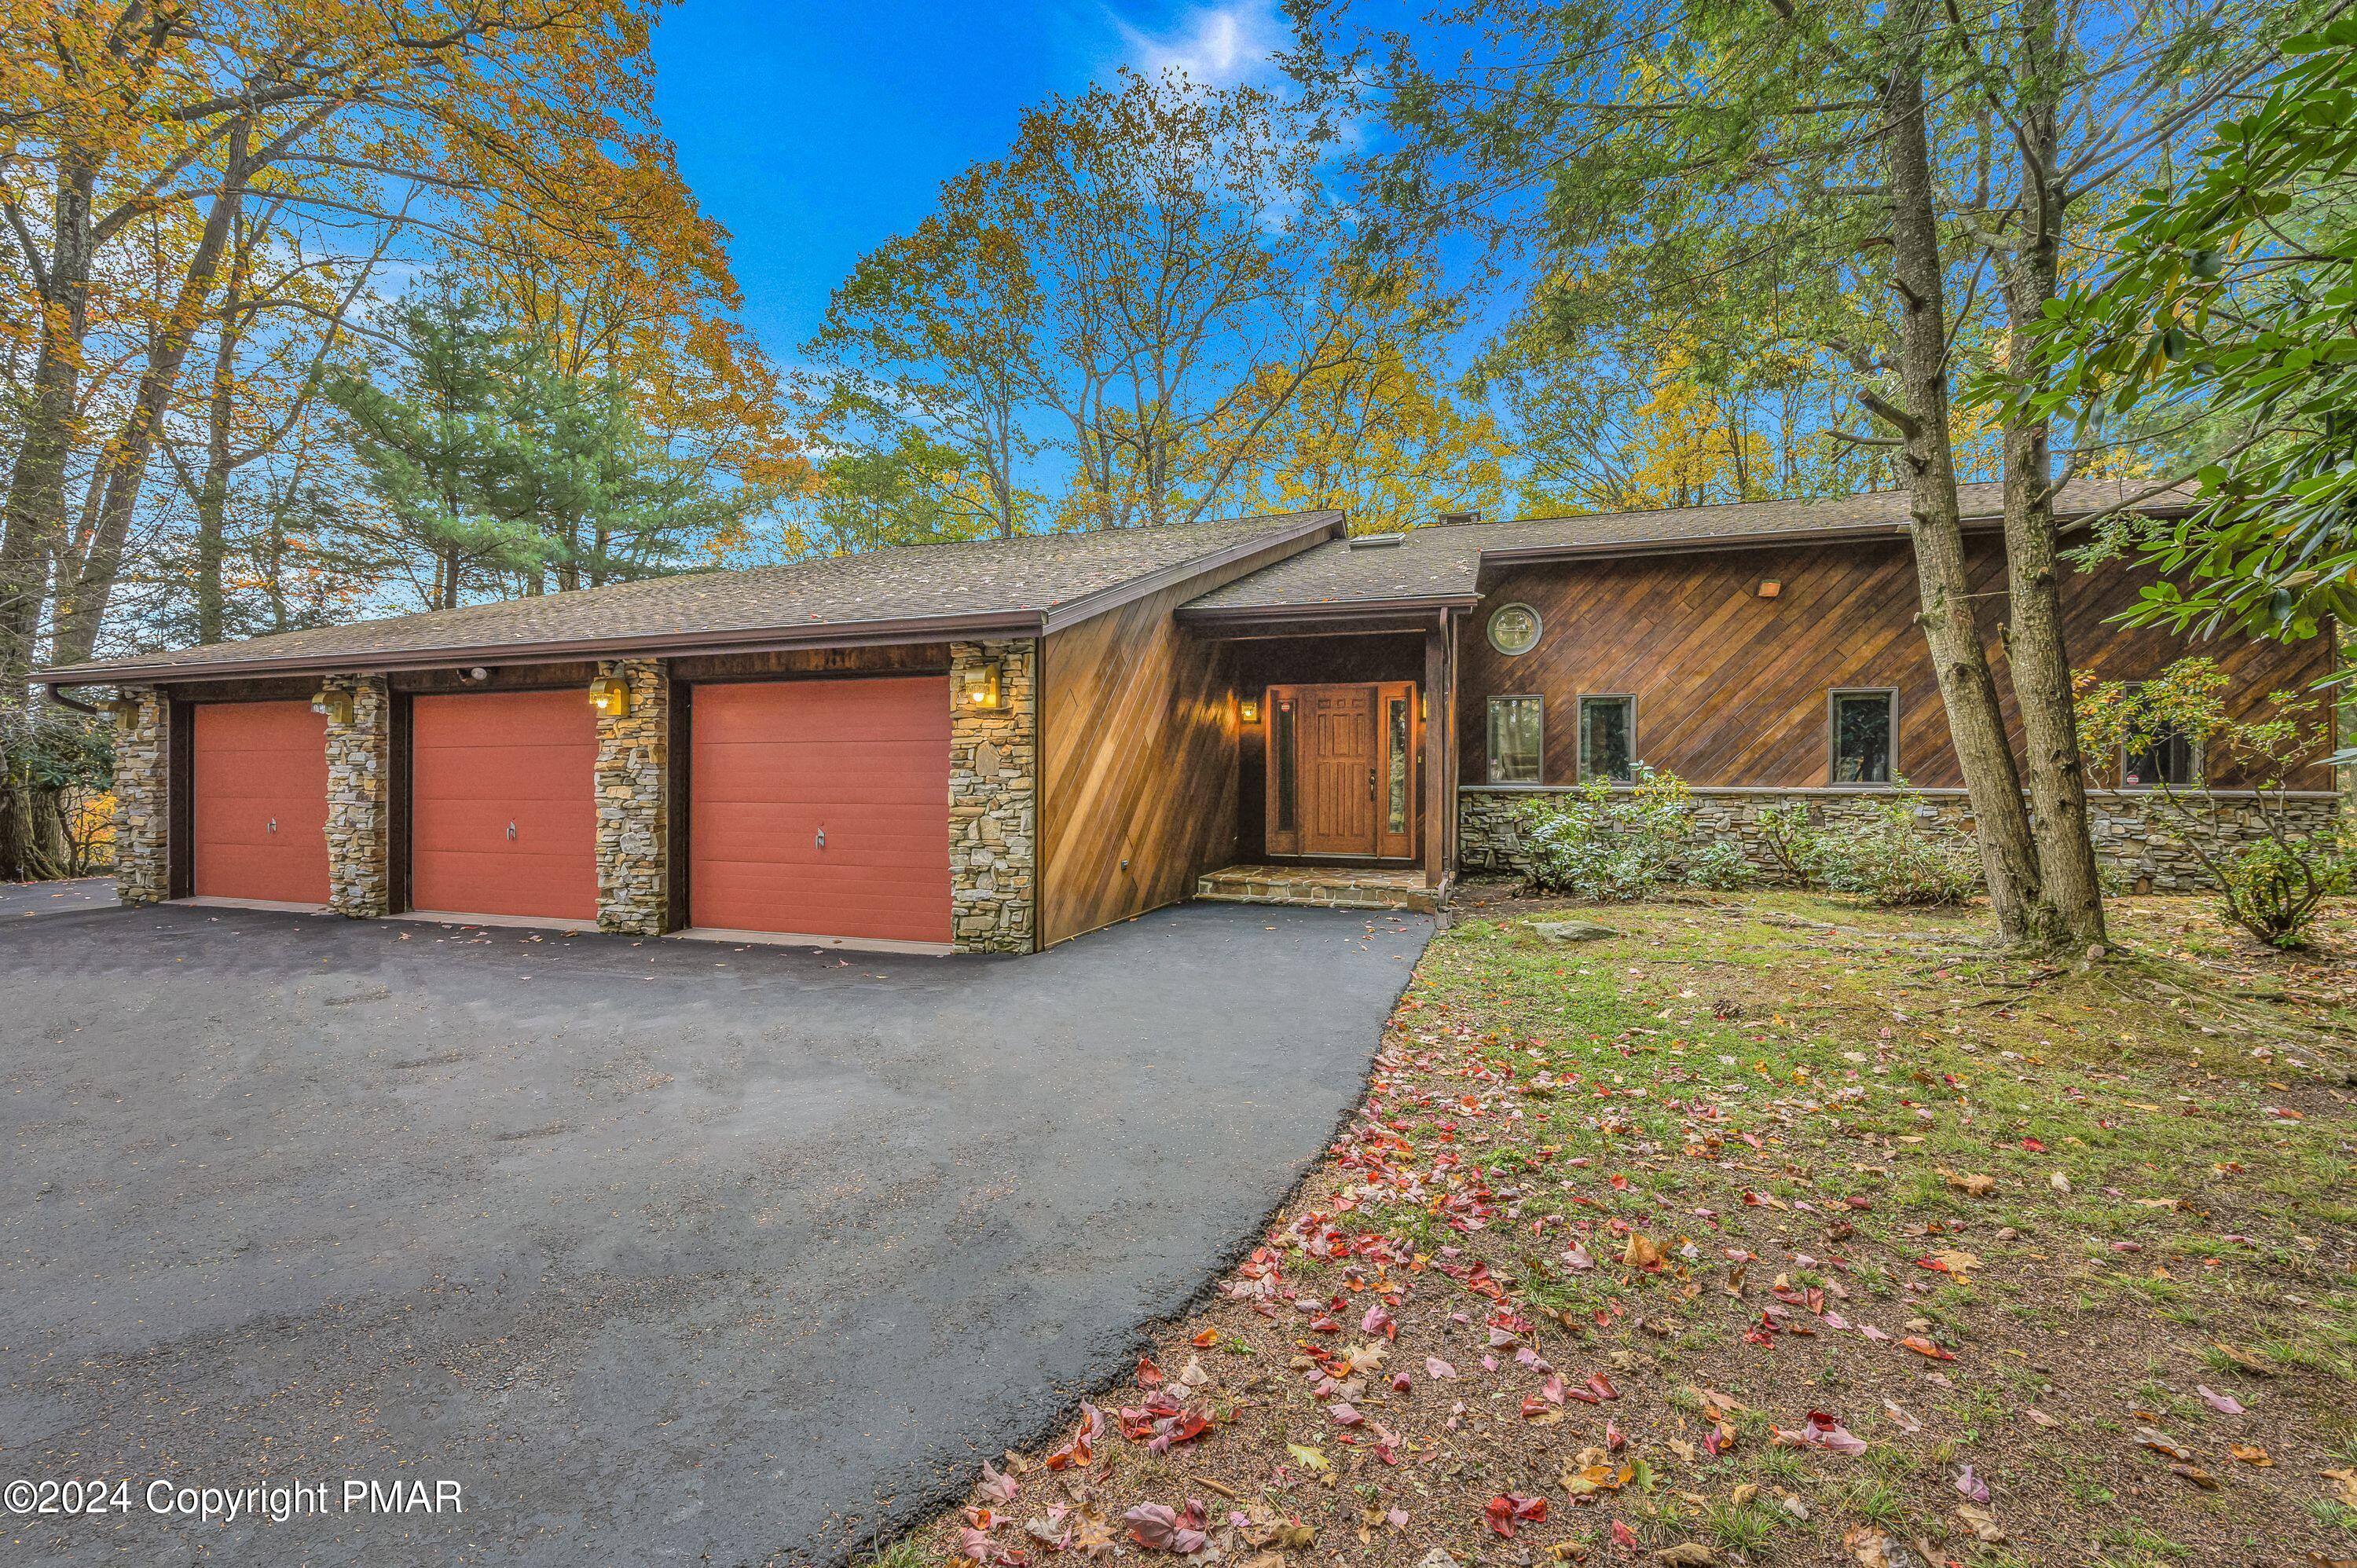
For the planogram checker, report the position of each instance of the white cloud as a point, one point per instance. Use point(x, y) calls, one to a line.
point(1217, 46)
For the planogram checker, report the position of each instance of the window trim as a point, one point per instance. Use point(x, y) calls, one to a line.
point(1580, 747)
point(1489, 629)
point(1489, 734)
point(1833, 736)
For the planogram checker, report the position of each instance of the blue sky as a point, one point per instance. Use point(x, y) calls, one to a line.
point(815, 131)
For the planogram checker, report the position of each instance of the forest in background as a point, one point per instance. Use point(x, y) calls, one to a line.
point(316, 309)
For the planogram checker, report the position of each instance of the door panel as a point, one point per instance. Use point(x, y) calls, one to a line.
point(260, 783)
point(503, 816)
point(1337, 771)
point(821, 808)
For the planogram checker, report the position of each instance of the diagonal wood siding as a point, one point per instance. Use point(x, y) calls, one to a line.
point(1731, 688)
point(1138, 763)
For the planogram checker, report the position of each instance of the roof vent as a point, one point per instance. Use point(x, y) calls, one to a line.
point(1377, 541)
point(1445, 519)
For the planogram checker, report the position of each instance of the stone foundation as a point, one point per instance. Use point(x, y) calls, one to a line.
point(2135, 833)
point(993, 801)
point(143, 798)
point(360, 775)
point(633, 804)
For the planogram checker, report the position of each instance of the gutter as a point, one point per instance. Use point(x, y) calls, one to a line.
point(754, 639)
point(1324, 609)
point(1842, 534)
point(51, 692)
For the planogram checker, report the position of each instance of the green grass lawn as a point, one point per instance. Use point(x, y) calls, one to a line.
point(2078, 1236)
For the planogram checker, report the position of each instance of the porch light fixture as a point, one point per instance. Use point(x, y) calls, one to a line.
point(126, 711)
point(981, 687)
point(1249, 710)
point(336, 705)
point(611, 695)
point(1770, 588)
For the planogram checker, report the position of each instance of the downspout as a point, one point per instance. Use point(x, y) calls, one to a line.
point(52, 691)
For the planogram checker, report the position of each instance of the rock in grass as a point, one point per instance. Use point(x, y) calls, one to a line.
point(1572, 930)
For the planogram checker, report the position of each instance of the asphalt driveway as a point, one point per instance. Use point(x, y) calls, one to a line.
point(21, 898)
point(661, 1251)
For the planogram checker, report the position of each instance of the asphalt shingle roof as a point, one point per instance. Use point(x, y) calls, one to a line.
point(959, 586)
point(1443, 560)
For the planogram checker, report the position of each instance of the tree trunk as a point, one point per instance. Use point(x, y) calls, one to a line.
point(124, 468)
point(1959, 653)
point(2039, 660)
point(33, 538)
point(213, 494)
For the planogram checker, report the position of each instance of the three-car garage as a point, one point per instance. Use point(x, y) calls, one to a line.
point(807, 808)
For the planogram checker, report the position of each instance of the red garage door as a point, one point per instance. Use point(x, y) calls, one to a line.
point(821, 808)
point(502, 804)
point(260, 805)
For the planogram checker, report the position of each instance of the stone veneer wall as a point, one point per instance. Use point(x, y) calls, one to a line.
point(2135, 832)
point(360, 779)
point(634, 804)
point(993, 801)
point(143, 798)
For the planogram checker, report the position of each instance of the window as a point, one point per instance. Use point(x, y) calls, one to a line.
point(1516, 739)
point(1281, 744)
point(1866, 724)
point(1515, 628)
point(1395, 732)
point(2169, 759)
point(1608, 738)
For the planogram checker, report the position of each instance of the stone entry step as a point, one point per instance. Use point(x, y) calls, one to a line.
point(1329, 888)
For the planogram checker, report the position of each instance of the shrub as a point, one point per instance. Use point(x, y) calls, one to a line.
point(2272, 888)
point(1898, 856)
point(1599, 843)
point(1721, 866)
point(1621, 844)
point(1785, 834)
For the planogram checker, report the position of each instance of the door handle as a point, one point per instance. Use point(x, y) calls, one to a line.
point(821, 837)
point(512, 828)
point(272, 826)
point(1371, 784)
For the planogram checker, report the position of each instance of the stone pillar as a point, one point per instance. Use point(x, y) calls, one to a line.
point(994, 800)
point(633, 802)
point(143, 797)
point(360, 784)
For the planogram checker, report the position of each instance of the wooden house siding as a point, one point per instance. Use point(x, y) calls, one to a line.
point(1138, 765)
point(1732, 689)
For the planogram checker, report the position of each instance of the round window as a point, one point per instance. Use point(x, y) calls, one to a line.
point(1515, 628)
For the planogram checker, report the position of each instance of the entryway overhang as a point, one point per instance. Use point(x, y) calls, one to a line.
point(1400, 655)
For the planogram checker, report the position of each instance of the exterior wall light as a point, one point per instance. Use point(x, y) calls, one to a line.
point(981, 687)
point(336, 705)
point(1249, 710)
point(1770, 588)
point(611, 695)
point(126, 711)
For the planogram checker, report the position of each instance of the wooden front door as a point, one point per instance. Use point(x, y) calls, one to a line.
point(1342, 767)
point(1337, 771)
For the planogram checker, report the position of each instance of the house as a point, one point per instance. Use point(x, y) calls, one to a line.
point(999, 744)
